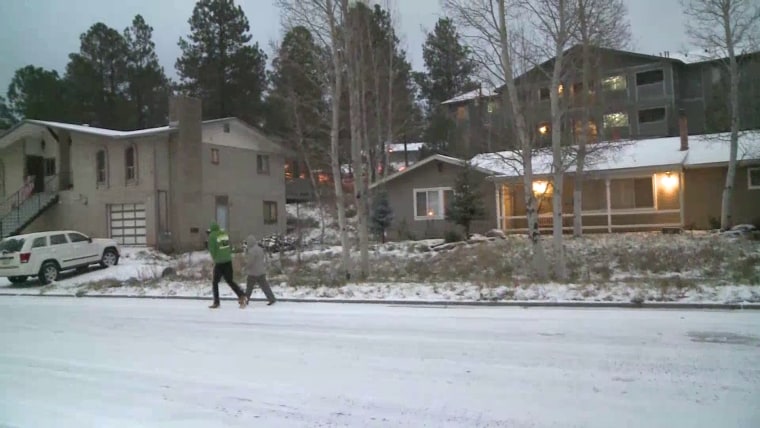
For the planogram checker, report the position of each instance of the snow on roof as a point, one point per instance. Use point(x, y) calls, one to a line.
point(655, 152)
point(477, 93)
point(101, 131)
point(410, 147)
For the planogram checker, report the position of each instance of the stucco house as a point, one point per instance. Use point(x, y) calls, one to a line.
point(420, 194)
point(159, 187)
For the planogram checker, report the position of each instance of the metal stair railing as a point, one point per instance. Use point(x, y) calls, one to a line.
point(21, 207)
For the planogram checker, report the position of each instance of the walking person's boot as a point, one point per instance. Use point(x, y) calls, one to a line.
point(243, 301)
point(214, 306)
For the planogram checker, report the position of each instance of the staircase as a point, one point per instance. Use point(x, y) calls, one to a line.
point(19, 210)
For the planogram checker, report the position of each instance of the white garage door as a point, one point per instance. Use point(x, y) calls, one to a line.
point(127, 223)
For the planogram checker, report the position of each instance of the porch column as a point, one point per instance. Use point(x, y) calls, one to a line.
point(681, 198)
point(499, 214)
point(609, 205)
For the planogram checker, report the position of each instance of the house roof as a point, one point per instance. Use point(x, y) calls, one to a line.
point(410, 147)
point(471, 95)
point(441, 158)
point(703, 150)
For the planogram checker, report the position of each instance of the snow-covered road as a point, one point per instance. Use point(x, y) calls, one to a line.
point(129, 363)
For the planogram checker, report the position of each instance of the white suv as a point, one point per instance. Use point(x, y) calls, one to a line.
point(46, 254)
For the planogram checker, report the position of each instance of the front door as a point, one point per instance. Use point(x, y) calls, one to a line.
point(222, 212)
point(35, 166)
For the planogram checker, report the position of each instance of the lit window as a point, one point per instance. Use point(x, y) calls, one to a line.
point(543, 128)
point(542, 188)
point(561, 89)
point(462, 112)
point(431, 204)
point(215, 156)
point(492, 106)
point(614, 83)
point(753, 178)
point(616, 120)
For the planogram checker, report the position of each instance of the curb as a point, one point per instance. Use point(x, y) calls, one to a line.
point(433, 303)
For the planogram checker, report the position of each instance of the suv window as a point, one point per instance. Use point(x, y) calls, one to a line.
point(11, 245)
point(39, 242)
point(77, 237)
point(58, 240)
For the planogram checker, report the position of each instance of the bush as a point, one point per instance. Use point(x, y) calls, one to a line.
point(452, 236)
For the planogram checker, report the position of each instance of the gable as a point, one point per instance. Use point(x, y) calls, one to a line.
point(235, 133)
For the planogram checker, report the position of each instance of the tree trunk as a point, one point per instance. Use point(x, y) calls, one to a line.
point(727, 214)
point(335, 140)
point(585, 119)
point(560, 271)
point(539, 257)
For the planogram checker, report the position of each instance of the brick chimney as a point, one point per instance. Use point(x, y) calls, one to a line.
point(683, 129)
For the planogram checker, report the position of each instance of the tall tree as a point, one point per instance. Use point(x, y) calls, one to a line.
point(450, 70)
point(36, 93)
point(148, 86)
point(382, 214)
point(220, 65)
point(97, 76)
point(726, 29)
point(600, 23)
point(296, 103)
point(7, 119)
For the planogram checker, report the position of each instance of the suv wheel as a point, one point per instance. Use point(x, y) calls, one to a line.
point(110, 258)
point(17, 279)
point(49, 272)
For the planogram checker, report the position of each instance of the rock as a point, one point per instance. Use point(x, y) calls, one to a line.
point(496, 233)
point(168, 272)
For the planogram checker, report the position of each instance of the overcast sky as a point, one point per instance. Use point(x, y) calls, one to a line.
point(44, 32)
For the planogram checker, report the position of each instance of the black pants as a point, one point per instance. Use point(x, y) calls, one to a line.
point(261, 280)
point(224, 270)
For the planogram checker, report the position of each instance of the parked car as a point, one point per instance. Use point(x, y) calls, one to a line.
point(46, 254)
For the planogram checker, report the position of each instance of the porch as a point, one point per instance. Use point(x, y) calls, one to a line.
point(622, 202)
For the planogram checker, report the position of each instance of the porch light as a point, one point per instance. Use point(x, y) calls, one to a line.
point(669, 182)
point(543, 129)
point(540, 187)
point(430, 213)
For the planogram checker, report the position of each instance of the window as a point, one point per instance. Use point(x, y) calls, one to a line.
point(492, 106)
point(129, 163)
point(431, 204)
point(222, 212)
point(78, 237)
point(11, 245)
point(215, 156)
point(652, 115)
point(614, 83)
point(632, 193)
point(101, 166)
point(544, 94)
point(39, 242)
point(58, 240)
point(462, 113)
point(753, 178)
point(590, 127)
point(270, 212)
point(226, 128)
point(577, 88)
point(262, 164)
point(616, 120)
point(49, 167)
point(649, 77)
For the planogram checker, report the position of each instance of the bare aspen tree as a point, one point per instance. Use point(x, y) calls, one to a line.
point(489, 33)
point(322, 18)
point(600, 23)
point(726, 29)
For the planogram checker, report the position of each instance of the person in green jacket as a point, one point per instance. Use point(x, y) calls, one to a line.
point(221, 254)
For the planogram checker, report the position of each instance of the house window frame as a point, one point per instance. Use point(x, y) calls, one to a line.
point(50, 167)
point(263, 166)
point(267, 207)
point(103, 170)
point(664, 116)
point(623, 113)
point(639, 86)
point(751, 186)
point(214, 156)
point(655, 202)
point(441, 202)
point(133, 168)
point(617, 88)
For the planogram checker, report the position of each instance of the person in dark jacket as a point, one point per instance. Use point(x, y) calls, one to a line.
point(221, 253)
point(256, 269)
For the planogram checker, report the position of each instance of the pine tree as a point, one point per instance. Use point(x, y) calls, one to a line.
point(467, 201)
point(382, 214)
point(97, 77)
point(219, 65)
point(148, 86)
point(36, 93)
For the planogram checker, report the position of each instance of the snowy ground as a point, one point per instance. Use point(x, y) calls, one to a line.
point(125, 363)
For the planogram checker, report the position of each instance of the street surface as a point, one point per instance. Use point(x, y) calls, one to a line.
point(67, 362)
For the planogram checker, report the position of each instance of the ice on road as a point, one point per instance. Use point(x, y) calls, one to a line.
point(129, 363)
